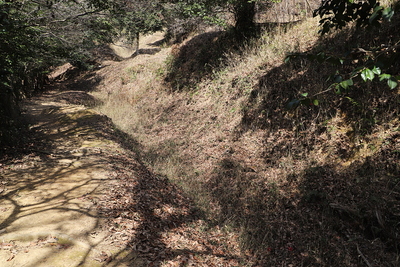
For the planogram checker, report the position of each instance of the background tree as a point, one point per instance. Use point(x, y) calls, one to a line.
point(243, 11)
point(26, 51)
point(35, 35)
point(131, 18)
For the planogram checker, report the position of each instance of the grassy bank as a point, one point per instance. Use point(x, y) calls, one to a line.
point(315, 186)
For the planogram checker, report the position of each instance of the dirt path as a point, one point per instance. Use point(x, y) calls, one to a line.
point(47, 207)
point(49, 198)
point(148, 44)
point(80, 198)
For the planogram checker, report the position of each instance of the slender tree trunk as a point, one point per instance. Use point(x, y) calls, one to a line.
point(8, 106)
point(137, 43)
point(245, 12)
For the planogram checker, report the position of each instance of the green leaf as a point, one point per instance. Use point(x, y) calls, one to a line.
point(350, 82)
point(315, 102)
point(373, 17)
point(352, 101)
point(388, 13)
point(338, 91)
point(384, 76)
point(304, 94)
point(367, 74)
point(346, 84)
point(376, 9)
point(5, 84)
point(392, 83)
point(376, 70)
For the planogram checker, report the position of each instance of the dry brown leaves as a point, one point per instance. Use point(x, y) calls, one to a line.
point(155, 220)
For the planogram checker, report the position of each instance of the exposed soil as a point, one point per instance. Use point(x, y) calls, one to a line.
point(49, 195)
point(78, 198)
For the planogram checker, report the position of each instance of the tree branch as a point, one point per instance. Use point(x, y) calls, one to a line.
point(76, 16)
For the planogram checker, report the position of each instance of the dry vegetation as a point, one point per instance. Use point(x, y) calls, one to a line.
point(318, 186)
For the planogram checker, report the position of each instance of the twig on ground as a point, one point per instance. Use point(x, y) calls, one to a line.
point(363, 257)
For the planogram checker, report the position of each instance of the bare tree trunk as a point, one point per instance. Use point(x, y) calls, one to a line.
point(137, 43)
point(8, 105)
point(245, 12)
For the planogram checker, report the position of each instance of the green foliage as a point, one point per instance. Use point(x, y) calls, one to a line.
point(337, 13)
point(243, 10)
point(302, 100)
point(23, 50)
point(16, 54)
point(338, 83)
point(372, 63)
point(136, 17)
point(201, 9)
point(35, 35)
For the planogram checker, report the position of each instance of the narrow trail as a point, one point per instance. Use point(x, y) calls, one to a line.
point(49, 200)
point(79, 196)
point(48, 215)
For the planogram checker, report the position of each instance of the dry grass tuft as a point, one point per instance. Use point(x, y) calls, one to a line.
point(317, 186)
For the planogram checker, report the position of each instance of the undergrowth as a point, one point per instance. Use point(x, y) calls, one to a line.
point(315, 186)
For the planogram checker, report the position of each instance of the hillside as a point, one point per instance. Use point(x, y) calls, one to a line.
point(317, 186)
point(221, 174)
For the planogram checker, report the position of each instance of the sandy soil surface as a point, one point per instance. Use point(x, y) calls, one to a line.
point(147, 44)
point(47, 206)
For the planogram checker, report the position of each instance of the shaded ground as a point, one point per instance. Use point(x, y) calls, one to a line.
point(314, 187)
point(76, 197)
point(48, 214)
